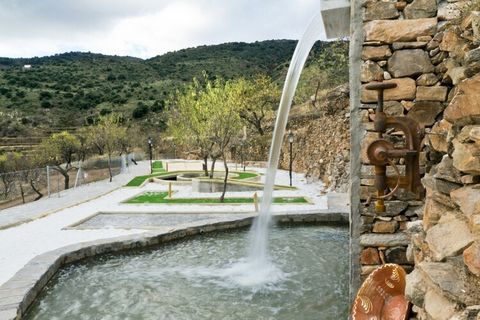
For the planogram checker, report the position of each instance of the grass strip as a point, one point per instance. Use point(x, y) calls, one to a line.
point(157, 165)
point(244, 175)
point(161, 198)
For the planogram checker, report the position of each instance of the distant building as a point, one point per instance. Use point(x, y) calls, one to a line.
point(27, 66)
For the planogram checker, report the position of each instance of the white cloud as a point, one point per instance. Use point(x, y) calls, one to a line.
point(144, 28)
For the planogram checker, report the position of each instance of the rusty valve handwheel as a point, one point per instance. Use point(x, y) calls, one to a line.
point(377, 153)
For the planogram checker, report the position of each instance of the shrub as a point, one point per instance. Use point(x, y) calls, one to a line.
point(140, 111)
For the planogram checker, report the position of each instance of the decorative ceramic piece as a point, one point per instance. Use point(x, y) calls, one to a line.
point(382, 295)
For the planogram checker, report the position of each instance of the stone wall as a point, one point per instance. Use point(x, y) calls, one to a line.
point(395, 49)
point(430, 50)
point(446, 244)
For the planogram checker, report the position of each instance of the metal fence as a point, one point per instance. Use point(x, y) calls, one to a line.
point(30, 185)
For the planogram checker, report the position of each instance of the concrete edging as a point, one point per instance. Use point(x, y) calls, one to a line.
point(18, 293)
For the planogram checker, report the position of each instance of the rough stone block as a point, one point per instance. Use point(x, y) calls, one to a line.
point(466, 157)
point(465, 106)
point(438, 136)
point(396, 255)
point(448, 10)
point(405, 90)
point(448, 239)
point(446, 171)
point(472, 56)
point(440, 185)
point(447, 277)
point(376, 53)
point(425, 112)
point(421, 9)
point(457, 74)
point(435, 93)
point(408, 45)
point(471, 257)
point(409, 63)
point(427, 79)
point(384, 240)
point(438, 307)
point(371, 72)
point(468, 199)
point(379, 10)
point(393, 108)
point(415, 288)
point(369, 256)
point(432, 213)
point(390, 31)
point(385, 227)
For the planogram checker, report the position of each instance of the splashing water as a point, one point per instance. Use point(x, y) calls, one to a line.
point(257, 269)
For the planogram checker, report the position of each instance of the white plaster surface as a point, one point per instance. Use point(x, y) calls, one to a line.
point(22, 243)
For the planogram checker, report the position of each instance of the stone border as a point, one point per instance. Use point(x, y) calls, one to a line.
point(18, 293)
point(77, 225)
point(323, 216)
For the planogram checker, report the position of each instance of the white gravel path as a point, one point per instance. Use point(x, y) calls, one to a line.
point(22, 243)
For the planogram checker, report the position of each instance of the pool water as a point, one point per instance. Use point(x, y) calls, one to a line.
point(193, 279)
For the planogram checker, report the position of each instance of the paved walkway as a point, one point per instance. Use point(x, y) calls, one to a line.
point(22, 243)
point(17, 215)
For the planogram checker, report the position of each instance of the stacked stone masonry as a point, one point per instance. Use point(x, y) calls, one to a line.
point(431, 51)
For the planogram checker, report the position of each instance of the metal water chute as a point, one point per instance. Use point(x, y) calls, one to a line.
point(336, 18)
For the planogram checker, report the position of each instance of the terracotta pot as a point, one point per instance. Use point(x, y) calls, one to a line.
point(382, 295)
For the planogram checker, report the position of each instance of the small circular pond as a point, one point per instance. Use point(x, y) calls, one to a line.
point(188, 280)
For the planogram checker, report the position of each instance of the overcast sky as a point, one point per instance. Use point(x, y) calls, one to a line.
point(144, 28)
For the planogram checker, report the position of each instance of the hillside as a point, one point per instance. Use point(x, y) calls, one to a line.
point(70, 89)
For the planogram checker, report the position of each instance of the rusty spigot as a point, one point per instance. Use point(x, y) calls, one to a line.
point(380, 127)
point(381, 152)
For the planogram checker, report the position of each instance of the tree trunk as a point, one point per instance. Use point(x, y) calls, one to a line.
point(222, 197)
point(65, 175)
point(212, 169)
point(67, 180)
point(40, 195)
point(22, 192)
point(110, 166)
point(205, 165)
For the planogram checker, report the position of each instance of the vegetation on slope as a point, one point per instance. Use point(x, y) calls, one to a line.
point(71, 89)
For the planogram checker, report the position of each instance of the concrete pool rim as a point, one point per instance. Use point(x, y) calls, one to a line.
point(20, 291)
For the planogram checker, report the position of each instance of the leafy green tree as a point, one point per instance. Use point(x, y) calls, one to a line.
point(60, 150)
point(108, 133)
point(188, 122)
point(259, 98)
point(208, 118)
point(223, 101)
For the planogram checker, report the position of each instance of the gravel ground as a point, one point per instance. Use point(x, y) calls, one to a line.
point(20, 244)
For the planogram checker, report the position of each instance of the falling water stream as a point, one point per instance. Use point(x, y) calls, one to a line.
point(256, 268)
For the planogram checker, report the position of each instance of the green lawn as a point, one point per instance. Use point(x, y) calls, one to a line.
point(161, 197)
point(244, 175)
point(157, 167)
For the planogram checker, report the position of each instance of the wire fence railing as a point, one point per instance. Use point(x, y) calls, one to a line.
point(30, 185)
